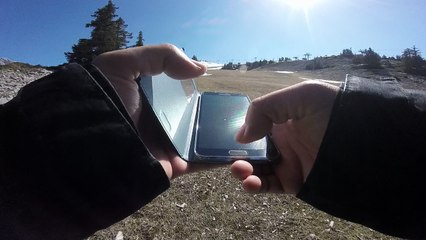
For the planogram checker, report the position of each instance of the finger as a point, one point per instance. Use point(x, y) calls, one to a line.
point(169, 59)
point(252, 184)
point(160, 147)
point(293, 102)
point(148, 60)
point(178, 166)
point(173, 165)
point(241, 169)
point(256, 179)
point(276, 107)
point(262, 184)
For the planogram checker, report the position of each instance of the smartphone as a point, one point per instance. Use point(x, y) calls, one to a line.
point(220, 116)
point(202, 126)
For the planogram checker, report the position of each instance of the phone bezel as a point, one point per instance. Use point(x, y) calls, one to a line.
point(226, 154)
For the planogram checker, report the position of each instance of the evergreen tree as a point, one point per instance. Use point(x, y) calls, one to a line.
point(121, 34)
point(139, 40)
point(347, 53)
point(413, 62)
point(108, 33)
point(371, 58)
point(82, 52)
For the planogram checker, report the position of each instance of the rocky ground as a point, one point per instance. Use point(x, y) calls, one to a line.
point(14, 76)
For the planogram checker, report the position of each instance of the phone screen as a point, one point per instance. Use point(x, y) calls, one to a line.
point(220, 117)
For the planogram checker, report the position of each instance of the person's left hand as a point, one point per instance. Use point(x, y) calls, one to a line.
point(123, 67)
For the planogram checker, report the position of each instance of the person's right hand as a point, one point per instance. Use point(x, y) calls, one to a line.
point(297, 117)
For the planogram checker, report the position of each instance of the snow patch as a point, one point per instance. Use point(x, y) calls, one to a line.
point(212, 66)
point(322, 80)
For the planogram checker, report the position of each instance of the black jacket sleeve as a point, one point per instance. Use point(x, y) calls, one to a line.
point(371, 166)
point(71, 162)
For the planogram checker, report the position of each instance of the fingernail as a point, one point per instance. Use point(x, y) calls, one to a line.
point(240, 134)
point(199, 65)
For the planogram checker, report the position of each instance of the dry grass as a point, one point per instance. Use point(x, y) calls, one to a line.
point(212, 205)
point(252, 83)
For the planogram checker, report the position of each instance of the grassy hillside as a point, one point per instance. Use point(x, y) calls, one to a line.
point(336, 68)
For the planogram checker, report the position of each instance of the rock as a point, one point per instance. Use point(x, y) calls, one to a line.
point(12, 80)
point(5, 61)
point(119, 236)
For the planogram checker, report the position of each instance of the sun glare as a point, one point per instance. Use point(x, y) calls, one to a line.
point(301, 4)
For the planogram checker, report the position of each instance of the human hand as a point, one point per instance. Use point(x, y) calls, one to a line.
point(297, 117)
point(123, 67)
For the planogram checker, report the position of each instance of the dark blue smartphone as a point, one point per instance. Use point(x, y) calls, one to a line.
point(220, 116)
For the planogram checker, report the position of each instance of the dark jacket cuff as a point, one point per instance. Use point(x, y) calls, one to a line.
point(371, 165)
point(73, 162)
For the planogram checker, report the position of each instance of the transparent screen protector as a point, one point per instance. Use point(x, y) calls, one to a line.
point(174, 102)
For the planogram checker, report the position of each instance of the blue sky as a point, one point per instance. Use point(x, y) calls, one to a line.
point(39, 32)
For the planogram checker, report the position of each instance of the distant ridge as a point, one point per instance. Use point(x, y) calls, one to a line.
point(5, 61)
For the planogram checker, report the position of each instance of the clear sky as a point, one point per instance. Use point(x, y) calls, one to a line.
point(39, 32)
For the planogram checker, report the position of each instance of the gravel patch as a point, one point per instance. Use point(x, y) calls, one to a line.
point(11, 80)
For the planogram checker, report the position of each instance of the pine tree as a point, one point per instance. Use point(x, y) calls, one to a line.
point(82, 52)
point(347, 53)
point(108, 33)
point(121, 34)
point(139, 40)
point(413, 62)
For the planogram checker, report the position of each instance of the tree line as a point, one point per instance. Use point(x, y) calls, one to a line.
point(108, 34)
point(411, 60)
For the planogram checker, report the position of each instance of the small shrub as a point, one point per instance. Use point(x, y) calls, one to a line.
point(369, 58)
point(347, 53)
point(358, 59)
point(231, 66)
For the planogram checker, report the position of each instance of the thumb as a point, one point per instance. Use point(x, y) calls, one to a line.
point(274, 108)
point(294, 103)
point(181, 67)
point(257, 125)
point(171, 60)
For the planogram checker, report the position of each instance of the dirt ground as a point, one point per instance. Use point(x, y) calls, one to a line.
point(252, 83)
